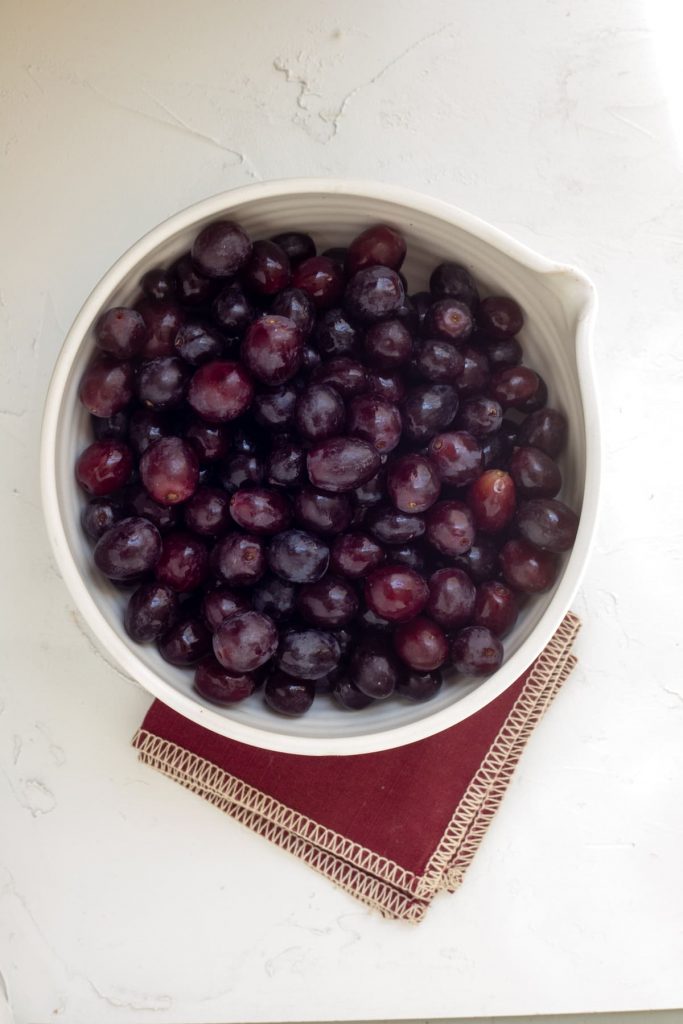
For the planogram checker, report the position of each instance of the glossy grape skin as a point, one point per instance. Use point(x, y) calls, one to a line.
point(410, 555)
point(322, 513)
point(104, 467)
point(379, 245)
point(451, 280)
point(211, 441)
point(220, 391)
point(413, 483)
point(121, 332)
point(245, 641)
point(395, 592)
point(450, 527)
point(161, 383)
point(355, 554)
point(158, 284)
point(267, 270)
point(457, 457)
point(196, 344)
point(287, 695)
point(274, 409)
point(500, 317)
point(240, 470)
point(297, 245)
point(145, 426)
point(476, 651)
point(111, 428)
point(131, 547)
point(308, 653)
point(495, 607)
point(260, 510)
point(322, 279)
point(535, 474)
point(547, 524)
point(481, 561)
point(192, 288)
point(375, 421)
point(450, 320)
point(388, 344)
point(169, 470)
point(99, 515)
point(341, 464)
point(374, 293)
point(186, 642)
point(150, 612)
point(221, 249)
point(232, 310)
point(373, 491)
point(374, 668)
point(479, 416)
point(347, 376)
point(218, 605)
point(545, 429)
point(389, 386)
point(272, 349)
point(138, 502)
point(496, 450)
point(515, 387)
point(207, 512)
point(215, 683)
point(329, 603)
point(163, 320)
point(296, 306)
point(475, 375)
point(452, 597)
point(239, 560)
point(298, 557)
point(503, 354)
point(334, 336)
point(106, 386)
point(492, 499)
point(439, 361)
point(349, 696)
point(421, 644)
point(286, 465)
point(275, 597)
point(427, 410)
point(390, 526)
point(419, 686)
point(319, 412)
point(528, 568)
point(183, 563)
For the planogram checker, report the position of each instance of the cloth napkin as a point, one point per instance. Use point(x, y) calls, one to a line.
point(393, 828)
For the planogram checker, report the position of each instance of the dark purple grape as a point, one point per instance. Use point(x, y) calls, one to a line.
point(272, 349)
point(140, 503)
point(196, 344)
point(341, 464)
point(207, 512)
point(288, 696)
point(453, 281)
point(389, 526)
point(296, 306)
point(131, 547)
point(211, 441)
point(481, 561)
point(389, 386)
point(145, 427)
point(450, 320)
point(347, 376)
point(322, 279)
point(221, 249)
point(376, 246)
point(232, 310)
point(163, 320)
point(183, 564)
point(439, 361)
point(354, 554)
point(504, 353)
point(275, 597)
point(162, 383)
point(376, 421)
point(298, 557)
point(121, 332)
point(479, 416)
point(150, 612)
point(545, 429)
point(218, 685)
point(319, 412)
point(247, 440)
point(241, 470)
point(451, 598)
point(286, 465)
point(500, 317)
point(373, 491)
point(535, 474)
point(551, 525)
point(476, 651)
point(374, 293)
point(457, 457)
point(475, 375)
point(428, 409)
point(220, 391)
point(274, 408)
point(515, 387)
point(158, 284)
point(106, 386)
point(297, 246)
point(308, 653)
point(219, 605)
point(450, 527)
point(495, 607)
point(99, 515)
point(395, 592)
point(421, 644)
point(169, 470)
point(422, 303)
point(410, 555)
point(186, 642)
point(193, 288)
point(349, 696)
point(374, 668)
point(527, 568)
point(334, 336)
point(329, 603)
point(337, 254)
point(267, 271)
point(492, 500)
point(407, 313)
point(419, 686)
point(388, 344)
point(239, 560)
point(413, 483)
point(112, 428)
point(496, 450)
point(104, 467)
point(245, 641)
point(322, 513)
point(260, 510)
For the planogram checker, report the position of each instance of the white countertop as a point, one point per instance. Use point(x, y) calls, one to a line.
point(123, 897)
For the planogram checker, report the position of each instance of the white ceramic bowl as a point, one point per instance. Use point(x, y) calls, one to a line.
point(559, 305)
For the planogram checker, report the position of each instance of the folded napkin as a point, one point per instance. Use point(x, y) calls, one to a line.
point(392, 828)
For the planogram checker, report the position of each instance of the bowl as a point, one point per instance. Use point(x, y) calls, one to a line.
point(559, 304)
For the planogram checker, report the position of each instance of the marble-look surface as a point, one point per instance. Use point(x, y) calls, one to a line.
point(123, 898)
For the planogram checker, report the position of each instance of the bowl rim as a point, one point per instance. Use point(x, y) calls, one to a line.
point(585, 300)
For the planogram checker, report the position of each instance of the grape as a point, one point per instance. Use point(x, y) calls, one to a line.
point(451, 598)
point(308, 653)
point(273, 349)
point(245, 641)
point(476, 651)
point(186, 642)
point(183, 564)
point(131, 547)
point(421, 644)
point(216, 684)
point(104, 467)
point(288, 696)
point(376, 246)
point(395, 592)
point(121, 332)
point(413, 483)
point(221, 249)
point(341, 464)
point(150, 612)
point(106, 386)
point(528, 568)
point(169, 470)
point(551, 525)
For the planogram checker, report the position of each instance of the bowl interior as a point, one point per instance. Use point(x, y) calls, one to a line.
point(333, 218)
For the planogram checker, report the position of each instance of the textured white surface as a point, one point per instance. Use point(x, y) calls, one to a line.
point(122, 897)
